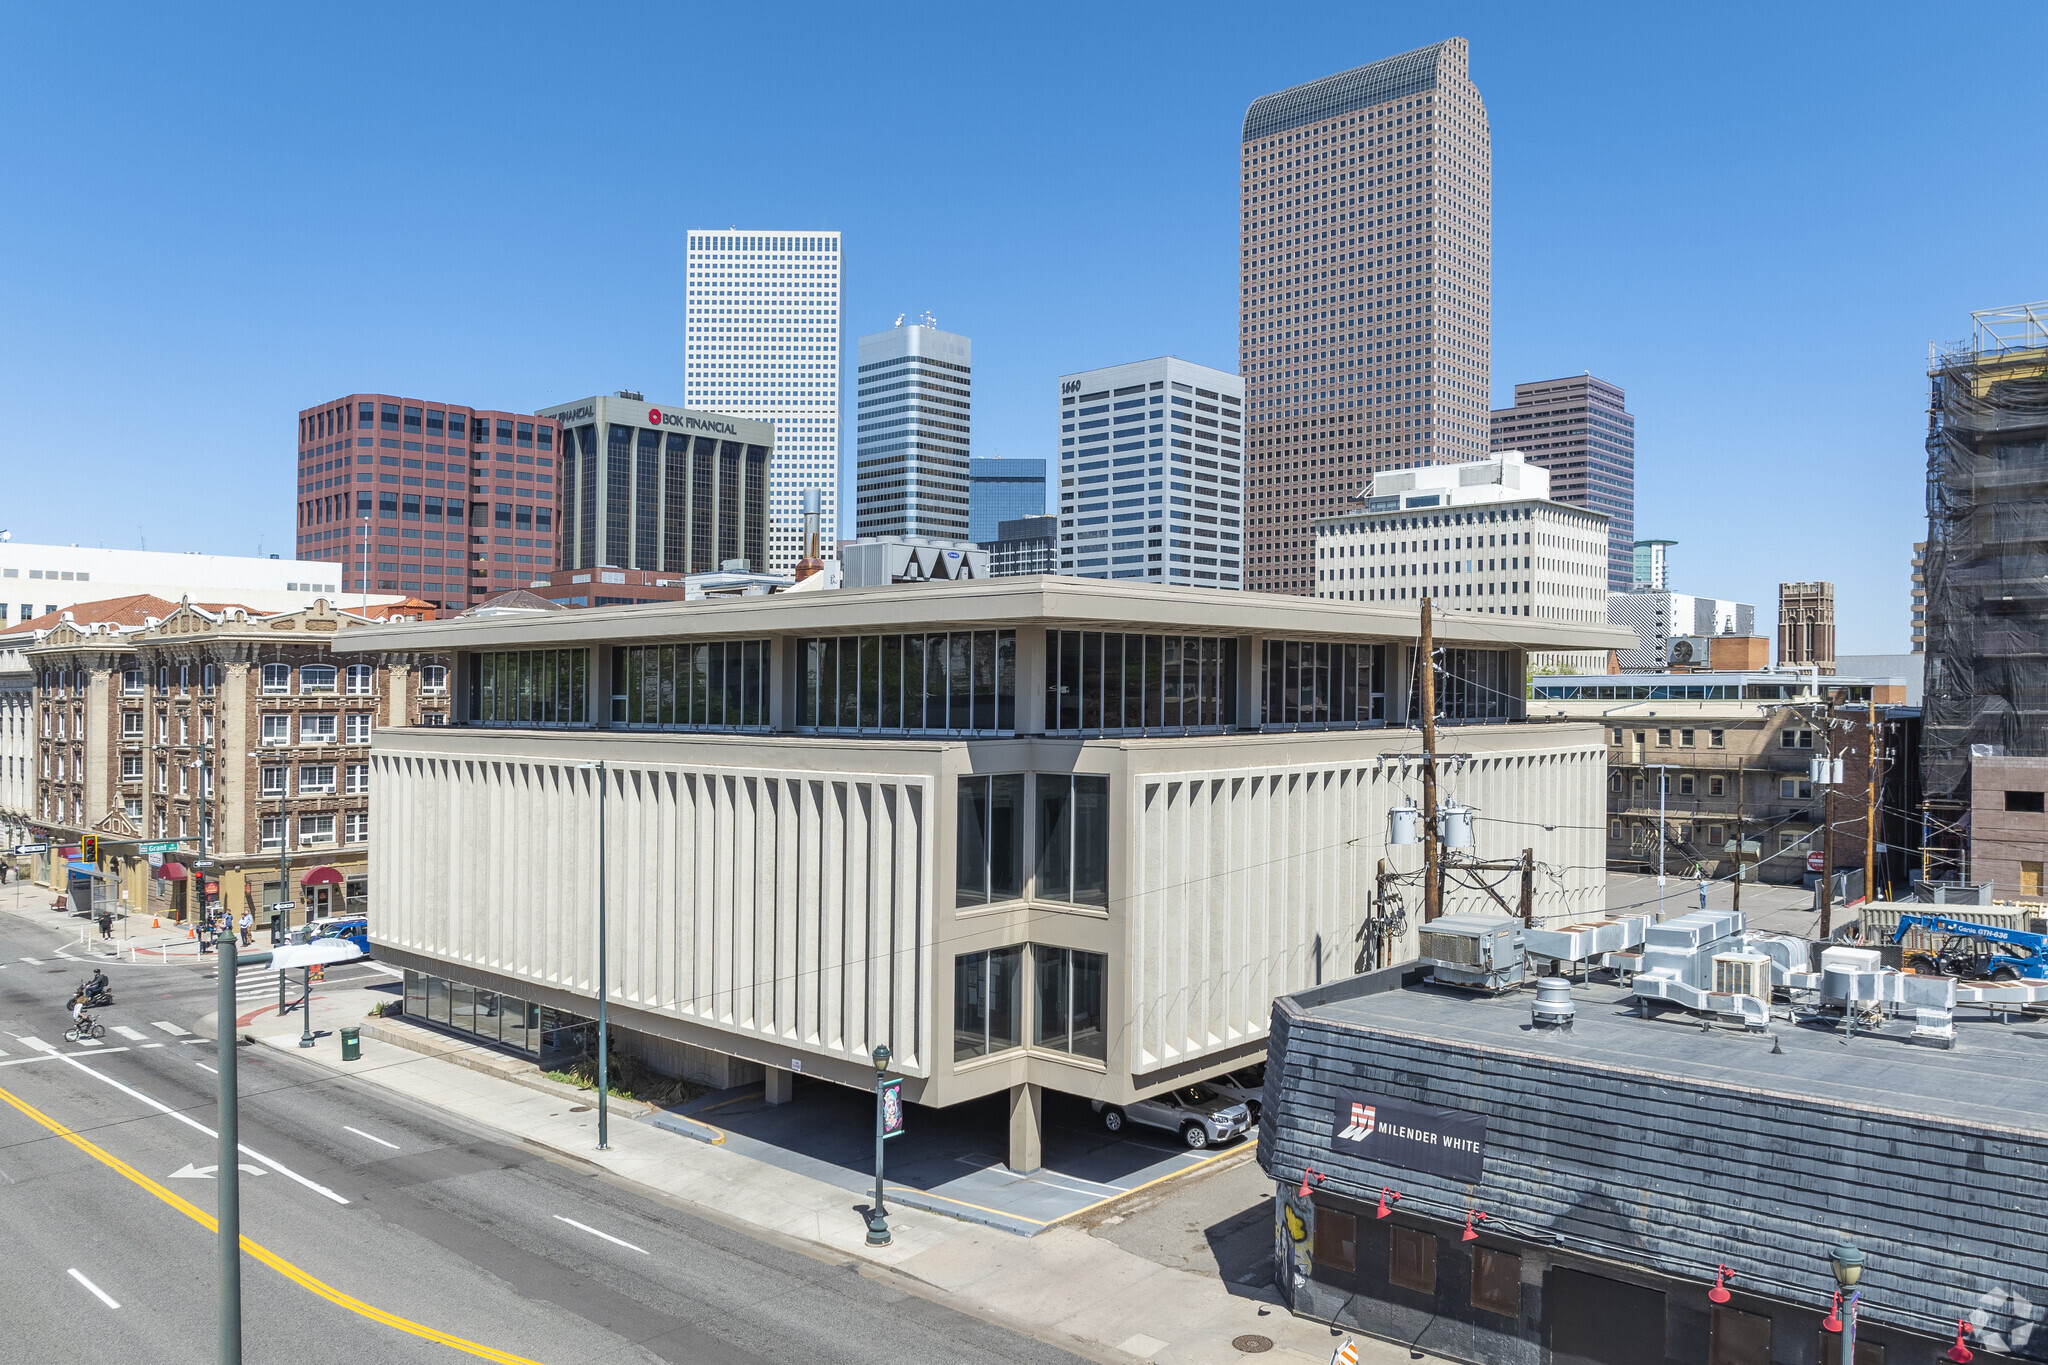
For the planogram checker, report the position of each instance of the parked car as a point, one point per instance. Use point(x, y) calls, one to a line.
point(1199, 1114)
point(1247, 1086)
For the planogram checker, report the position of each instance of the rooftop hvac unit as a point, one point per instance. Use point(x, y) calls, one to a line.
point(1743, 974)
point(1484, 951)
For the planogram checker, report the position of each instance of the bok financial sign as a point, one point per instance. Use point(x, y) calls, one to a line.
point(1446, 1142)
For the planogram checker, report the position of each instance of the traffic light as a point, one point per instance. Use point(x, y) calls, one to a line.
point(89, 849)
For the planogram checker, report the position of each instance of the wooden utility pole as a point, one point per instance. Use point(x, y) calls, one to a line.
point(1529, 887)
point(1432, 870)
point(1738, 837)
point(1870, 805)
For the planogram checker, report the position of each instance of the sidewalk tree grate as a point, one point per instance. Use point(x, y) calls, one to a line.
point(1251, 1345)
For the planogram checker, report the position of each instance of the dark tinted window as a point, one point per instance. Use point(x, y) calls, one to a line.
point(2028, 802)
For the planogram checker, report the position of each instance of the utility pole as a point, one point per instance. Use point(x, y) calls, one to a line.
point(1870, 804)
point(1738, 836)
point(228, 1173)
point(1827, 822)
point(1432, 869)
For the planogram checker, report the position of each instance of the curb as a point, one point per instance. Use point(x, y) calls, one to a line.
point(490, 1062)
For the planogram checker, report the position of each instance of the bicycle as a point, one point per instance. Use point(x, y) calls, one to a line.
point(85, 1028)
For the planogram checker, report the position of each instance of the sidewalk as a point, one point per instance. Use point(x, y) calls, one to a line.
point(1063, 1285)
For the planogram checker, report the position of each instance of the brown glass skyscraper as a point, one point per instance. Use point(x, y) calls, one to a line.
point(1365, 323)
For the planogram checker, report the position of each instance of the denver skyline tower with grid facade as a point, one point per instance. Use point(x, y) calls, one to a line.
point(1365, 325)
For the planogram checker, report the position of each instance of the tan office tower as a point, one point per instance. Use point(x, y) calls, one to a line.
point(1806, 625)
point(1366, 271)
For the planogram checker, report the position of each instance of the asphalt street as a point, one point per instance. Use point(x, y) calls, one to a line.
point(397, 1234)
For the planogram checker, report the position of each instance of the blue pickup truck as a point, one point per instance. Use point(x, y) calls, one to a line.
point(355, 928)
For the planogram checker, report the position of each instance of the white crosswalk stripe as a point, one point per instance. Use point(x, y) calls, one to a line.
point(135, 1034)
point(169, 1028)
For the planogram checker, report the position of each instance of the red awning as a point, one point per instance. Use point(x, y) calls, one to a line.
point(172, 872)
point(321, 876)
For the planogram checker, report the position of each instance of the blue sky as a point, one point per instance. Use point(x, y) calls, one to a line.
point(1754, 218)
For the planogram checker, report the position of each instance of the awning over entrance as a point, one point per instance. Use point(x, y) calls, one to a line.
point(321, 876)
point(172, 872)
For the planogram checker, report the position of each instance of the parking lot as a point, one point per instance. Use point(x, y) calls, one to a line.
point(947, 1160)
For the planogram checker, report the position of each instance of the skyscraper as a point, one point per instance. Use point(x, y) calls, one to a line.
point(1365, 322)
point(436, 500)
point(763, 342)
point(1152, 474)
point(1579, 428)
point(913, 407)
point(1002, 490)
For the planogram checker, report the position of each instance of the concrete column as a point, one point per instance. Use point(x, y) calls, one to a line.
point(1027, 1129)
point(781, 1085)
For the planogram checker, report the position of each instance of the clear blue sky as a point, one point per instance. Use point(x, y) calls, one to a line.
point(1754, 218)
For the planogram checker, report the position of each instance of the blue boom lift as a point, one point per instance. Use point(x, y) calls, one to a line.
point(1976, 952)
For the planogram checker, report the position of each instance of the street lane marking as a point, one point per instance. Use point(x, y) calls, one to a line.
point(190, 1172)
point(169, 1028)
point(585, 1227)
point(147, 1046)
point(371, 1136)
point(33, 961)
point(102, 1295)
point(191, 1122)
point(263, 1253)
point(204, 1067)
point(132, 1033)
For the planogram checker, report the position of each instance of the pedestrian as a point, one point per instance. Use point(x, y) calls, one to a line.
point(248, 927)
point(205, 932)
point(106, 924)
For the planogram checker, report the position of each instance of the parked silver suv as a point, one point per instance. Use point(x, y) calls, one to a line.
point(1202, 1117)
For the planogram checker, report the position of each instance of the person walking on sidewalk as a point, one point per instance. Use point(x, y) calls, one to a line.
point(248, 927)
point(106, 924)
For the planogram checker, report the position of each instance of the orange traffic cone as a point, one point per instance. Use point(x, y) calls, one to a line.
point(188, 931)
point(154, 923)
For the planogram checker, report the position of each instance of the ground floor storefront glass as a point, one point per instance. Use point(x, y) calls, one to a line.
point(491, 1017)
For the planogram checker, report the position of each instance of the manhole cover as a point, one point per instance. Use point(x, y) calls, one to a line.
point(1251, 1345)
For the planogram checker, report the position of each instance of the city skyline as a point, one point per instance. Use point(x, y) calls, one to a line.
point(232, 264)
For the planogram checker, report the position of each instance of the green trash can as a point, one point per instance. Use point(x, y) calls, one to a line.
point(351, 1044)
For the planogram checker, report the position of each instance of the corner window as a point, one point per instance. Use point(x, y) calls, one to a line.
point(1073, 839)
point(988, 1012)
point(989, 849)
point(1069, 1007)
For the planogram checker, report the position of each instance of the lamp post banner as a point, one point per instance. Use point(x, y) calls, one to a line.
point(892, 1107)
point(1418, 1137)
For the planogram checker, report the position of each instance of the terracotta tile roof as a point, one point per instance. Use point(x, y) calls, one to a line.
point(117, 611)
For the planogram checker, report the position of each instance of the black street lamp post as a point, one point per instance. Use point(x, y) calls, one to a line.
point(1847, 1263)
point(878, 1216)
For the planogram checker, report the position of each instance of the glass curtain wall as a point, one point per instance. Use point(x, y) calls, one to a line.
point(1107, 684)
point(712, 685)
point(988, 1002)
point(964, 682)
point(474, 1011)
point(1474, 685)
point(1073, 839)
point(1313, 684)
point(1069, 1013)
point(531, 687)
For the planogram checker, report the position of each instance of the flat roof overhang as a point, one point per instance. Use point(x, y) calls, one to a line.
point(1043, 600)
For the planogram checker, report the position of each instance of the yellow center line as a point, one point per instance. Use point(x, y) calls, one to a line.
point(261, 1253)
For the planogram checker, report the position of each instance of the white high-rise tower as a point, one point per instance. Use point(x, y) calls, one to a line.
point(763, 342)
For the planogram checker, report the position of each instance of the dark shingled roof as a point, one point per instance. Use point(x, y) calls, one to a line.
point(1411, 73)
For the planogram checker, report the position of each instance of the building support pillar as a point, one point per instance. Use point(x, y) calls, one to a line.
point(1027, 1128)
point(780, 1085)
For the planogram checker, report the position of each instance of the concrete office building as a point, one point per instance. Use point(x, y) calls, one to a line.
point(1579, 428)
point(1919, 605)
point(1469, 537)
point(762, 338)
point(1001, 490)
point(915, 411)
point(1806, 625)
point(36, 580)
point(438, 501)
point(1152, 474)
point(1026, 545)
point(1662, 621)
point(1031, 833)
point(652, 487)
point(1366, 274)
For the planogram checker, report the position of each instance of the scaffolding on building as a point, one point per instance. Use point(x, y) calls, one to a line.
point(1987, 554)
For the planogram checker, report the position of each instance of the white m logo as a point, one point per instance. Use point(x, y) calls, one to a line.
point(1364, 1119)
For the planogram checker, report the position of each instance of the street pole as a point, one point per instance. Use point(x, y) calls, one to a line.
point(284, 881)
point(1663, 771)
point(603, 948)
point(1738, 838)
point(878, 1216)
point(1432, 871)
point(228, 1174)
point(1827, 821)
point(305, 1008)
point(1870, 804)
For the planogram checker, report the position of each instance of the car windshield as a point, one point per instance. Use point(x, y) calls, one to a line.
point(1252, 1077)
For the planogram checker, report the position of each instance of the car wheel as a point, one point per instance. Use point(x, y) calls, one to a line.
point(1113, 1119)
point(2005, 976)
point(1194, 1135)
point(1923, 964)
